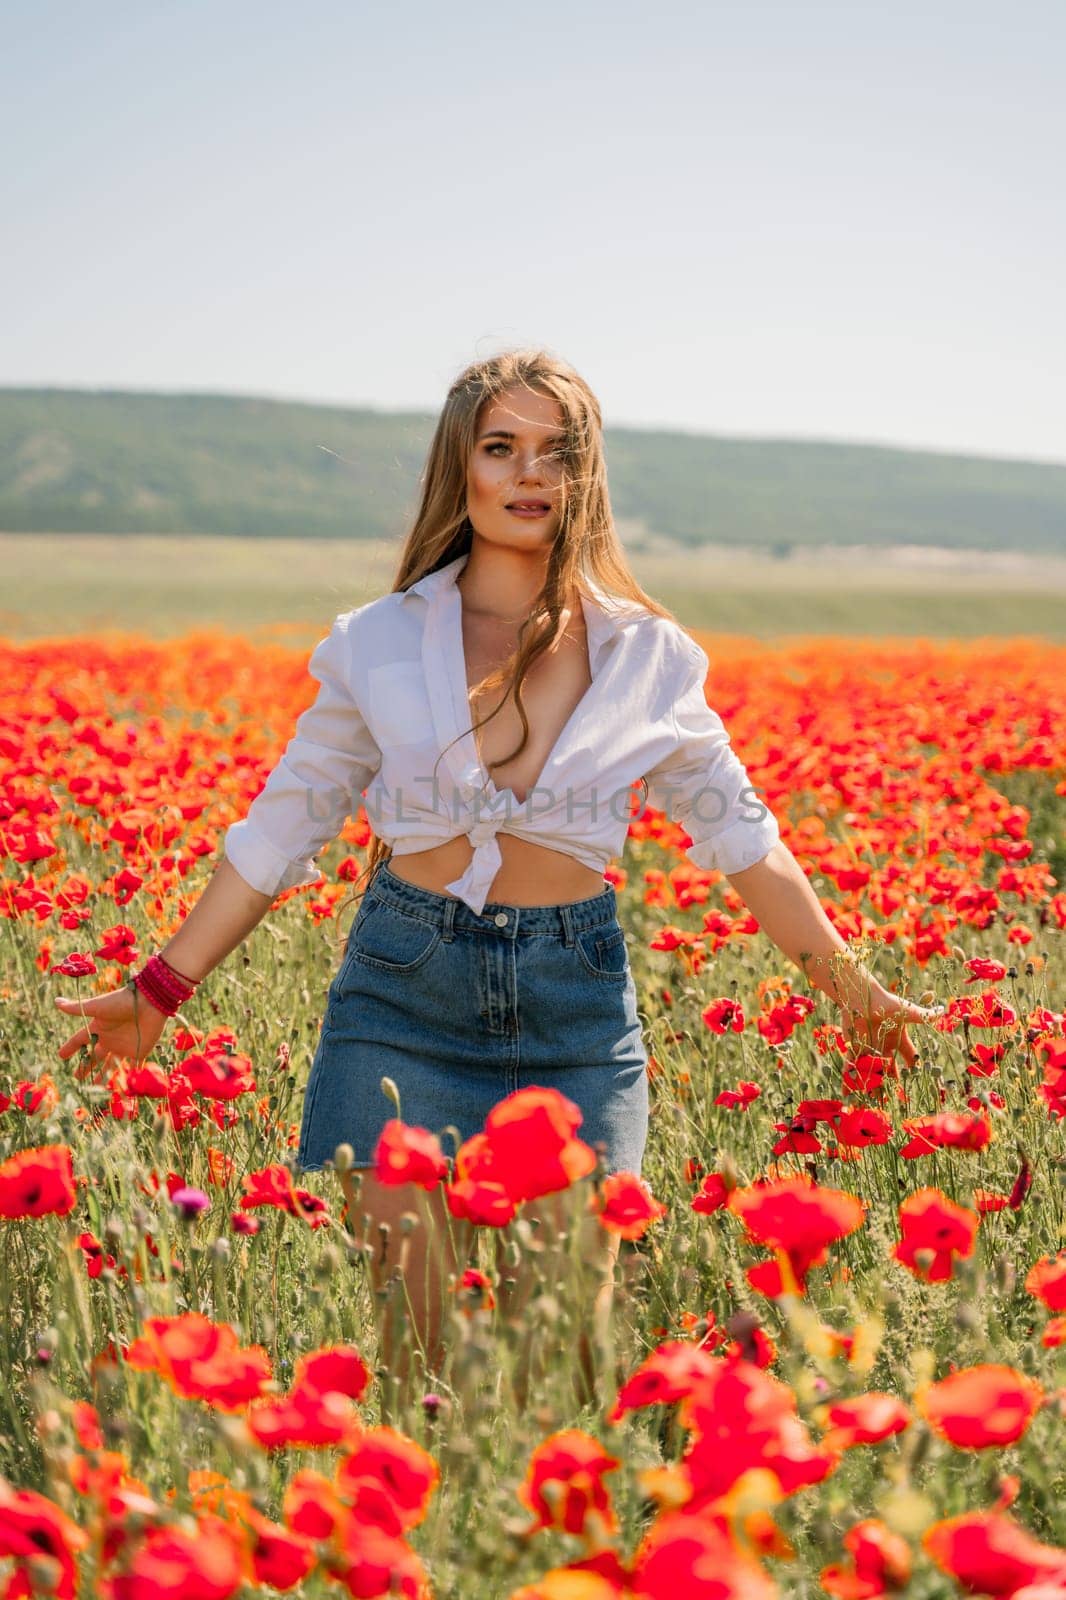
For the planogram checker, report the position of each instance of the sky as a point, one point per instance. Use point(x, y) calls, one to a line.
point(793, 219)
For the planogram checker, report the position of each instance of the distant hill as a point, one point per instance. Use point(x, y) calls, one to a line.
point(74, 461)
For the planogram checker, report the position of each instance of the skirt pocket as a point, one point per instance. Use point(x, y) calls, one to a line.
point(602, 952)
point(390, 940)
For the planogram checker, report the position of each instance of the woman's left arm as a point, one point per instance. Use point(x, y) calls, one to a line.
point(781, 900)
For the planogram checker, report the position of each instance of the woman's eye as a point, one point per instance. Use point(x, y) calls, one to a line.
point(558, 454)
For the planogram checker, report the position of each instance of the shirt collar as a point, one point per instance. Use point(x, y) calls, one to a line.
point(605, 614)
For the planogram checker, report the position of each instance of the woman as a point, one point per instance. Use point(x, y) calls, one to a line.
point(497, 707)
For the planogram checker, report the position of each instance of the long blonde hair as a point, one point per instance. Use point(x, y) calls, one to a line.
point(586, 544)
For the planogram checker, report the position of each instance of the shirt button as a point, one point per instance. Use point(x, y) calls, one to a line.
point(500, 919)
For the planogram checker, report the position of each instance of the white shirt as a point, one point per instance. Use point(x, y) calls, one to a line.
point(394, 696)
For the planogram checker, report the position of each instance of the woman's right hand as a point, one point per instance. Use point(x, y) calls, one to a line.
point(122, 1025)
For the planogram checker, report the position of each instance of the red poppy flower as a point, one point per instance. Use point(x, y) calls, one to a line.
point(144, 1079)
point(742, 1419)
point(118, 944)
point(37, 1535)
point(1047, 1281)
point(317, 1411)
point(76, 965)
point(670, 1373)
point(303, 1418)
point(867, 1419)
point(797, 1218)
point(311, 1505)
point(33, 1095)
point(371, 1562)
point(475, 1290)
point(743, 1096)
point(755, 1345)
point(38, 1183)
point(815, 1111)
point(390, 1464)
point(572, 1465)
point(985, 1010)
point(168, 1561)
point(950, 1130)
point(722, 1015)
point(696, 1557)
point(334, 1369)
point(781, 1021)
point(628, 1206)
point(1053, 1089)
point(528, 1149)
point(983, 970)
point(934, 1232)
point(487, 1205)
point(866, 1074)
point(201, 1360)
point(218, 1074)
point(280, 1558)
point(532, 1137)
point(991, 1554)
point(124, 885)
point(797, 1139)
point(408, 1155)
point(273, 1186)
point(982, 1406)
point(713, 1195)
point(880, 1562)
point(985, 1059)
point(861, 1126)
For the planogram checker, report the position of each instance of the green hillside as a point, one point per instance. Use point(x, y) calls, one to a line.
point(74, 461)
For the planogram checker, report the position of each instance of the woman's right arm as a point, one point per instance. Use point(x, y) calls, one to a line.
point(316, 784)
point(222, 918)
point(126, 1025)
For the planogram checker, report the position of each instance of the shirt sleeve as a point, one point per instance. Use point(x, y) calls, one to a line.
point(703, 785)
point(317, 782)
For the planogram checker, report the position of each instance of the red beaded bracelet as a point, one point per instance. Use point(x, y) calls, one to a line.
point(162, 987)
point(192, 982)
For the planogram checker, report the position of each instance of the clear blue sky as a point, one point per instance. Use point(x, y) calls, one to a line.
point(791, 219)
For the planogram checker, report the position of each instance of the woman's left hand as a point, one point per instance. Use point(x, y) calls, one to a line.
point(879, 1021)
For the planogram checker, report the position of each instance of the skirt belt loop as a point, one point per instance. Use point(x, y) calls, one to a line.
point(567, 918)
point(449, 920)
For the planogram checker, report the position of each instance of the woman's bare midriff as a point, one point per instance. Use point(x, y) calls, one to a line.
point(531, 874)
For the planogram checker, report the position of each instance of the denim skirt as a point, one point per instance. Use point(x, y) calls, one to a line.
point(460, 1009)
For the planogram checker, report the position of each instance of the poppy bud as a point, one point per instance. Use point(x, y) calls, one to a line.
point(343, 1158)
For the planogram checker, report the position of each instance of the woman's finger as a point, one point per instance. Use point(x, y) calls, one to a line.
point(917, 1013)
point(72, 1045)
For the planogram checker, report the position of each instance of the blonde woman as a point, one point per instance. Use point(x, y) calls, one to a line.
point(495, 713)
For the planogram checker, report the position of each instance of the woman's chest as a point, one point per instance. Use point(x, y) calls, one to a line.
point(553, 688)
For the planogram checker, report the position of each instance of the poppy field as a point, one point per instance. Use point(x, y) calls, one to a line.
point(834, 1362)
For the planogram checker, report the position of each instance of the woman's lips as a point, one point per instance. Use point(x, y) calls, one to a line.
point(528, 511)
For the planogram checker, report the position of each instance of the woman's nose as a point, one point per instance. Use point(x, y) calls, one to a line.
point(532, 467)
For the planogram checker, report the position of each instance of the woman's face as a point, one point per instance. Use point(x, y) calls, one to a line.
point(517, 458)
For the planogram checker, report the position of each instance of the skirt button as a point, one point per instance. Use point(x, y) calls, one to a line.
point(500, 919)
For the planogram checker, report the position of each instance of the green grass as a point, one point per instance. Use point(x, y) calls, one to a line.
point(291, 1290)
point(85, 583)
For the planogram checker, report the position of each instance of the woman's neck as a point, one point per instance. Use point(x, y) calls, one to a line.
point(501, 584)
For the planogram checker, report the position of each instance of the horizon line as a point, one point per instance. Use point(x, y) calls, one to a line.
point(683, 429)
